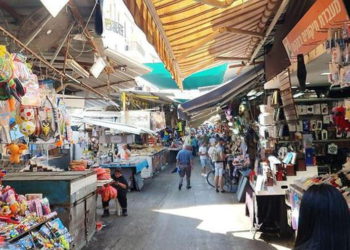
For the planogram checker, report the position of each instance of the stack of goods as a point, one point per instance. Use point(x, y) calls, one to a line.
point(50, 235)
point(78, 165)
point(37, 166)
point(107, 192)
point(21, 217)
point(103, 173)
point(340, 180)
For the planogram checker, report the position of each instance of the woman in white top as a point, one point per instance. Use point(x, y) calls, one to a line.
point(203, 155)
point(124, 153)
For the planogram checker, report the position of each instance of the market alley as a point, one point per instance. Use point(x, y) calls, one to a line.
point(162, 217)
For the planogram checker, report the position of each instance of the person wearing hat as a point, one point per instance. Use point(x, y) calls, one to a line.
point(122, 187)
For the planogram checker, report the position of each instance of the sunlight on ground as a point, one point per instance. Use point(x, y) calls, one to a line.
point(215, 218)
point(249, 236)
point(222, 219)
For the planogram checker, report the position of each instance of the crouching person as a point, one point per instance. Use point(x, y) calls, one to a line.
point(121, 185)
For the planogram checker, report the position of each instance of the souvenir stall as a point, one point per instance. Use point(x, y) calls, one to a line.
point(303, 126)
point(36, 141)
point(27, 222)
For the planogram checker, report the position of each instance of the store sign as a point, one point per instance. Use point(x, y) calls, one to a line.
point(137, 118)
point(114, 25)
point(312, 29)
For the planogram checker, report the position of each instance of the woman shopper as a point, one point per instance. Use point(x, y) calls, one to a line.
point(324, 220)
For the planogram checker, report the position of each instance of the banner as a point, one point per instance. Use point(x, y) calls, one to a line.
point(115, 31)
point(158, 121)
point(137, 118)
point(312, 29)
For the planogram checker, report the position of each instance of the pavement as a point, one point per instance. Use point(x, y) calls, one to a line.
point(162, 217)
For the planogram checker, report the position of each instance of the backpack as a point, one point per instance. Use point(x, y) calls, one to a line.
point(215, 155)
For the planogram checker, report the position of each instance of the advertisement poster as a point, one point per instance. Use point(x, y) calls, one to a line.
point(137, 118)
point(157, 121)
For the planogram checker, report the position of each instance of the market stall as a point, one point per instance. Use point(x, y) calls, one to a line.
point(27, 222)
point(132, 169)
point(72, 196)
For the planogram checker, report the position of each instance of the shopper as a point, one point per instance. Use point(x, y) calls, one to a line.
point(203, 156)
point(122, 187)
point(194, 144)
point(184, 160)
point(124, 152)
point(218, 157)
point(324, 220)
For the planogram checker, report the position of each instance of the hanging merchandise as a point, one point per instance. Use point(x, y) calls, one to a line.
point(4, 123)
point(10, 86)
point(15, 151)
point(338, 46)
point(339, 119)
point(47, 118)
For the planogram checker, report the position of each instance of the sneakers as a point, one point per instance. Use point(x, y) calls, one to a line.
point(125, 214)
point(217, 190)
point(105, 213)
point(223, 191)
point(188, 187)
point(180, 186)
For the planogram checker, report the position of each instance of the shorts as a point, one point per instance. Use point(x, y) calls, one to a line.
point(219, 169)
point(204, 163)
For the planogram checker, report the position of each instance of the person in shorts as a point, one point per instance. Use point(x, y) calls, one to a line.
point(203, 156)
point(219, 165)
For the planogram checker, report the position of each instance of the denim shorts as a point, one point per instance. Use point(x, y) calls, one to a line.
point(204, 163)
point(219, 168)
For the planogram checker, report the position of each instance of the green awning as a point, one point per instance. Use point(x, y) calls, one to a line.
point(161, 78)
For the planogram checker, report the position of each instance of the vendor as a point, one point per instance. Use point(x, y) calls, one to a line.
point(124, 152)
point(122, 187)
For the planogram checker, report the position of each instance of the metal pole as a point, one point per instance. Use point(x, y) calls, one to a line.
point(37, 31)
point(61, 45)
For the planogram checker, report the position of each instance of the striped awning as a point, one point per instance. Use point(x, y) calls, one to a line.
point(191, 35)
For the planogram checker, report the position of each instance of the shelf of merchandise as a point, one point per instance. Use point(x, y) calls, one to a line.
point(31, 229)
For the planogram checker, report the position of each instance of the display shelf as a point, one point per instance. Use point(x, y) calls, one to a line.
point(318, 100)
point(31, 229)
point(332, 140)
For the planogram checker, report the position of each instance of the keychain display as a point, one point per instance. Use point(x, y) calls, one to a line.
point(338, 46)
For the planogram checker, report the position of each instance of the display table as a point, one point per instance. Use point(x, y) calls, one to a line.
point(267, 209)
point(131, 170)
point(71, 194)
point(156, 162)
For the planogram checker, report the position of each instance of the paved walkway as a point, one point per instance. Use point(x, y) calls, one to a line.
point(161, 217)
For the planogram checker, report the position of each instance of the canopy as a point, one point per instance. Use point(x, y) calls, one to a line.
point(224, 92)
point(190, 35)
point(122, 128)
point(161, 77)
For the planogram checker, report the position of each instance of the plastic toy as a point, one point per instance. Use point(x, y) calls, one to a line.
point(15, 151)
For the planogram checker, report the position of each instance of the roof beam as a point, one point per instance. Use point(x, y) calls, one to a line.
point(278, 14)
point(232, 58)
point(217, 3)
point(75, 12)
point(244, 32)
point(10, 10)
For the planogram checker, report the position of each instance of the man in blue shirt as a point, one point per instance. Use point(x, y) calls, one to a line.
point(184, 160)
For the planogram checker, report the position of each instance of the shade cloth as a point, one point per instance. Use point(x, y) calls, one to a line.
point(190, 36)
point(224, 92)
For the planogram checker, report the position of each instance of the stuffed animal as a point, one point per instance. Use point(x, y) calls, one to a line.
point(15, 151)
point(339, 119)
